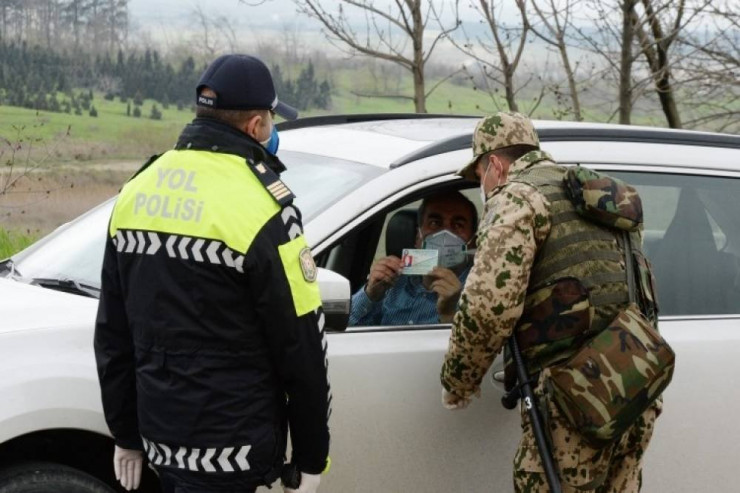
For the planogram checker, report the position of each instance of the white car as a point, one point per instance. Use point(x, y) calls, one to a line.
point(390, 432)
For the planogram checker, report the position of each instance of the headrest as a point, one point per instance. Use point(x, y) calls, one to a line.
point(401, 232)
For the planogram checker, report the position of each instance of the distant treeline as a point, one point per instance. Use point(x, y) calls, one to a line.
point(31, 77)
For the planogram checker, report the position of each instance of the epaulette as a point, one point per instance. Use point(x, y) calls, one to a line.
point(272, 182)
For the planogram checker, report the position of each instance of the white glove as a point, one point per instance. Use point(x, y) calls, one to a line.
point(309, 484)
point(453, 402)
point(127, 464)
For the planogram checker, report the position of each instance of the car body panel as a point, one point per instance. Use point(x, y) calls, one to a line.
point(57, 386)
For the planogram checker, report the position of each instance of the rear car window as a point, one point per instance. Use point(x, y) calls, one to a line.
point(692, 237)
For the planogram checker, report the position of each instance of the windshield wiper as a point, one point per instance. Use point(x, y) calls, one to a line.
point(67, 286)
point(7, 268)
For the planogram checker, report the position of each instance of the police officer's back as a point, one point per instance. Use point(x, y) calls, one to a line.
point(209, 337)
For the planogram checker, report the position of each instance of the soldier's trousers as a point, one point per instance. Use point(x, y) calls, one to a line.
point(616, 468)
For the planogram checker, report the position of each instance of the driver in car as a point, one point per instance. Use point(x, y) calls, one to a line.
point(447, 223)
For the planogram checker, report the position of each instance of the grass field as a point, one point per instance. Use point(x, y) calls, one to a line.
point(13, 241)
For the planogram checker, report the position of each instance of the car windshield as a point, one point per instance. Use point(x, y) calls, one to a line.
point(74, 251)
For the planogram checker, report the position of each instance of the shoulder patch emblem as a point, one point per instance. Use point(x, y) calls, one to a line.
point(308, 266)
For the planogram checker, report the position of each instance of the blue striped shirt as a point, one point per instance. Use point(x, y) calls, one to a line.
point(408, 302)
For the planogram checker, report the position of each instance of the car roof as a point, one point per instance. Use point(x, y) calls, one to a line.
point(392, 140)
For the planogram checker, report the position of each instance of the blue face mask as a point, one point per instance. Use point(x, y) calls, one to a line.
point(272, 144)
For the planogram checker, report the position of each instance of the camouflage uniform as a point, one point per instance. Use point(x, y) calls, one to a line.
point(515, 224)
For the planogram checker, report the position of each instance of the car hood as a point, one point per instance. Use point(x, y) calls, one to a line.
point(26, 307)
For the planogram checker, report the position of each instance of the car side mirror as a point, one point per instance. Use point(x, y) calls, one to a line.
point(335, 299)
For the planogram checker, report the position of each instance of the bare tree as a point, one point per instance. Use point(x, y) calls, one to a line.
point(501, 52)
point(626, 60)
point(657, 29)
point(715, 67)
point(215, 33)
point(388, 31)
point(24, 152)
point(554, 20)
point(609, 33)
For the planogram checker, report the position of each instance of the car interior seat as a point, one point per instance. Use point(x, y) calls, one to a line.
point(691, 274)
point(400, 232)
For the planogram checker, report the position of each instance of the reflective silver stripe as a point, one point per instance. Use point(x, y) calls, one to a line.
point(170, 244)
point(131, 241)
point(193, 460)
point(206, 460)
point(226, 255)
point(227, 459)
point(154, 243)
point(211, 252)
point(223, 460)
point(290, 219)
point(288, 213)
point(120, 242)
point(320, 323)
point(179, 455)
point(167, 454)
point(196, 249)
point(183, 247)
point(142, 242)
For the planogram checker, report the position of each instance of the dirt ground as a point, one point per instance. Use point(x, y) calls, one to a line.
point(35, 202)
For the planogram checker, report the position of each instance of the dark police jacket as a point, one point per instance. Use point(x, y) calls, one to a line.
point(209, 335)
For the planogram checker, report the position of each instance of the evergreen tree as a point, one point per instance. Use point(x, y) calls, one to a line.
point(323, 98)
point(93, 111)
point(306, 87)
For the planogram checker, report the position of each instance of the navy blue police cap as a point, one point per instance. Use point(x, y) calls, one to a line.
point(241, 82)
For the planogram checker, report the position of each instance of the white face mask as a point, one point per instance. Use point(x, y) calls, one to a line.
point(450, 246)
point(482, 184)
point(483, 181)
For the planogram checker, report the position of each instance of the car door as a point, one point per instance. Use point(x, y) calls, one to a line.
point(389, 429)
point(692, 237)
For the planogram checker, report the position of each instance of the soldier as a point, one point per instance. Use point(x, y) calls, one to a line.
point(529, 239)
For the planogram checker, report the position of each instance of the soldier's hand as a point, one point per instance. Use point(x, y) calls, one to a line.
point(127, 465)
point(448, 288)
point(383, 274)
point(453, 402)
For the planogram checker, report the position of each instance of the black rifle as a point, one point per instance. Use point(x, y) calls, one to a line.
point(524, 391)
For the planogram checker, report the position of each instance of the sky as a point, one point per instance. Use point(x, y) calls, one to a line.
point(165, 22)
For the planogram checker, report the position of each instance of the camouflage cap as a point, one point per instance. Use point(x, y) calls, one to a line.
point(497, 131)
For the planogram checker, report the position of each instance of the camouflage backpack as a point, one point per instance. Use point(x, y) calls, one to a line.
point(615, 376)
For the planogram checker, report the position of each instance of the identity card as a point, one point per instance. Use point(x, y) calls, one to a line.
point(418, 262)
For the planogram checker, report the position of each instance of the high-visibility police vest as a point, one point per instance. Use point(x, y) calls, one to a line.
point(209, 214)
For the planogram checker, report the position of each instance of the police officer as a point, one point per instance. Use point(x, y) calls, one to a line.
point(209, 338)
point(529, 236)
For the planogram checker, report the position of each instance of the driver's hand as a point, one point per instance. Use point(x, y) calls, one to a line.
point(383, 274)
point(448, 287)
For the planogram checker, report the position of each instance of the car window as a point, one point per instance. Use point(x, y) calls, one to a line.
point(319, 181)
point(692, 237)
point(387, 234)
point(74, 251)
point(411, 208)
